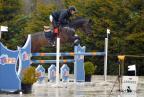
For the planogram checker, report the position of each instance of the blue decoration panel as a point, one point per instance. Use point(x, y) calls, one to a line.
point(79, 70)
point(9, 79)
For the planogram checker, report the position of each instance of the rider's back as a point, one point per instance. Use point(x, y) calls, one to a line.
point(62, 16)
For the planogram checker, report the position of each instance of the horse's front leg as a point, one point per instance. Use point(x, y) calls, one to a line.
point(76, 39)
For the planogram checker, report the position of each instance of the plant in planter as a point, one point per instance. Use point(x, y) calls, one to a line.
point(89, 70)
point(29, 77)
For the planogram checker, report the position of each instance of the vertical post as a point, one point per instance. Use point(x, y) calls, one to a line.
point(122, 67)
point(79, 71)
point(105, 59)
point(106, 55)
point(57, 59)
point(135, 72)
point(4, 29)
point(121, 60)
point(0, 33)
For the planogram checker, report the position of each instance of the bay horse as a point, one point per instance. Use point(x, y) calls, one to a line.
point(39, 39)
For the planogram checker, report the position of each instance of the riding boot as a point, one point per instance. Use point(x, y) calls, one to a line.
point(53, 41)
point(53, 38)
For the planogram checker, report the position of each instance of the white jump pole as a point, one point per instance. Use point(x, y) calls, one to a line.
point(57, 59)
point(0, 33)
point(105, 59)
point(106, 56)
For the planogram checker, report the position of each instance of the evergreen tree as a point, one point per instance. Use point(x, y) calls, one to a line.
point(8, 9)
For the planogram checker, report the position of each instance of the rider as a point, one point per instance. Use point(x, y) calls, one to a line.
point(61, 18)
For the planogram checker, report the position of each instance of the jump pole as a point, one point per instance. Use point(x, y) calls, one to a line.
point(57, 60)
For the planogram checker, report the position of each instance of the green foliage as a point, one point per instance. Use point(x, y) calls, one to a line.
point(89, 68)
point(29, 75)
point(39, 18)
point(8, 9)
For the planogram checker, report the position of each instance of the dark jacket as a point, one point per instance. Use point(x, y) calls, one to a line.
point(61, 18)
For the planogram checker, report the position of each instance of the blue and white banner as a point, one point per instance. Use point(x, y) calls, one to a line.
point(65, 73)
point(52, 73)
point(41, 70)
point(79, 70)
point(25, 55)
point(9, 79)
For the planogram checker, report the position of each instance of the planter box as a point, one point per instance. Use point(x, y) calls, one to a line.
point(26, 88)
point(88, 78)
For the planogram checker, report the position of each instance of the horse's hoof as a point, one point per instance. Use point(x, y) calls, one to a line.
point(77, 41)
point(53, 44)
point(76, 35)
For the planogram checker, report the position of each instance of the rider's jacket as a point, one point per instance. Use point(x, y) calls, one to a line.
point(61, 18)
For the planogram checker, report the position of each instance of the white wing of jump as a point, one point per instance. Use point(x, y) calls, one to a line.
point(4, 28)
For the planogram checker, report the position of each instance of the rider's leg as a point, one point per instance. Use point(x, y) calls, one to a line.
point(53, 39)
point(55, 31)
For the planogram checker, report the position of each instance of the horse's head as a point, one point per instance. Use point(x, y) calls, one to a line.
point(85, 25)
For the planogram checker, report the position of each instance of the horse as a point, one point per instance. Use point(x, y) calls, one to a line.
point(39, 39)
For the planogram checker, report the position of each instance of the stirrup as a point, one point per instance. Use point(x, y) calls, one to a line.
point(53, 44)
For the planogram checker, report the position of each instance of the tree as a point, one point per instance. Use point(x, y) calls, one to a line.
point(8, 9)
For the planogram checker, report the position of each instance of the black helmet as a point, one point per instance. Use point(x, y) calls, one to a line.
point(72, 8)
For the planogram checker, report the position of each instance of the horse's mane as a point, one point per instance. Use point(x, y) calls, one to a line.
point(78, 18)
point(76, 22)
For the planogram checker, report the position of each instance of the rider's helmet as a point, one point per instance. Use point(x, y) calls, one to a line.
point(72, 8)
